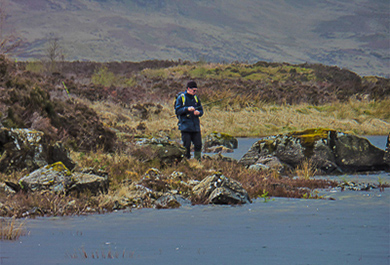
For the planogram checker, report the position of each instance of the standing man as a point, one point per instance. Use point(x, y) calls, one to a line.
point(188, 109)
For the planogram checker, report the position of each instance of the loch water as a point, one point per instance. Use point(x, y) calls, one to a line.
point(352, 228)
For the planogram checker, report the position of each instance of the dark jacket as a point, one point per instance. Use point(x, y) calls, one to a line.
point(188, 122)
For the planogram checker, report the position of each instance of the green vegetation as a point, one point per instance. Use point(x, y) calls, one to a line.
point(107, 78)
point(256, 72)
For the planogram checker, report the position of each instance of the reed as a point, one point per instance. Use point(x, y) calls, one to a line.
point(10, 229)
point(306, 169)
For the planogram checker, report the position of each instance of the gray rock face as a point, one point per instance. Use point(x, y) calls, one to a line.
point(166, 151)
point(55, 178)
point(27, 149)
point(58, 178)
point(218, 189)
point(91, 180)
point(328, 150)
point(220, 139)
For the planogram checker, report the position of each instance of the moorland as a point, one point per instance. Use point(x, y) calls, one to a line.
point(97, 110)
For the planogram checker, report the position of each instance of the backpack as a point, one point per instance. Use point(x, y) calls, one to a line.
point(183, 99)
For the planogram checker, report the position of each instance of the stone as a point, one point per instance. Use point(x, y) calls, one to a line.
point(90, 180)
point(27, 149)
point(218, 189)
point(165, 151)
point(218, 139)
point(329, 150)
point(55, 177)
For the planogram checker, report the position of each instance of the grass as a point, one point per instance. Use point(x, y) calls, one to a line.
point(254, 72)
point(359, 117)
point(306, 170)
point(11, 229)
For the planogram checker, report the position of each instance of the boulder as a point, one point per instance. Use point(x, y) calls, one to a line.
point(218, 139)
point(89, 179)
point(55, 177)
point(268, 163)
point(27, 149)
point(327, 149)
point(58, 178)
point(162, 149)
point(218, 189)
point(219, 157)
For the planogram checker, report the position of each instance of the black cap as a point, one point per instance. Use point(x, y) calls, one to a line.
point(191, 84)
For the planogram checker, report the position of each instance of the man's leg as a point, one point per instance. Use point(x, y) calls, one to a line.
point(197, 140)
point(186, 139)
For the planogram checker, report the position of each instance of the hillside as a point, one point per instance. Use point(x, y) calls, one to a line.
point(348, 34)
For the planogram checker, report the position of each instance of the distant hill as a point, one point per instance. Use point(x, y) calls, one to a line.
point(349, 34)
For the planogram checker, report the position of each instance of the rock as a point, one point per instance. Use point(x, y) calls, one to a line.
point(219, 157)
point(218, 139)
point(218, 149)
point(91, 180)
point(57, 153)
point(218, 189)
point(356, 186)
point(21, 149)
point(58, 178)
point(167, 201)
point(27, 149)
point(268, 162)
point(165, 151)
point(55, 177)
point(328, 150)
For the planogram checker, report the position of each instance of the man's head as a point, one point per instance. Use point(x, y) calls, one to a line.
point(192, 87)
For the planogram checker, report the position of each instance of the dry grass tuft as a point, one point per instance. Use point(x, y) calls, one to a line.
point(10, 229)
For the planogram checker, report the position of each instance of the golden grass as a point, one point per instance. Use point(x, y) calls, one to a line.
point(306, 170)
point(10, 229)
point(359, 117)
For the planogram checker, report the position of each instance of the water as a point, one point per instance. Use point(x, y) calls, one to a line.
point(352, 229)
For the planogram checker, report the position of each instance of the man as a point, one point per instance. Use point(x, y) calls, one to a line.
point(188, 109)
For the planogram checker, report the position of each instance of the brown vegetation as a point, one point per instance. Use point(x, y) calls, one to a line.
point(99, 121)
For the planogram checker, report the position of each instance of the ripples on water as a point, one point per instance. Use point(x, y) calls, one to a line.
point(352, 229)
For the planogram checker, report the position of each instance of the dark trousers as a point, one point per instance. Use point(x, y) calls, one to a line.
point(195, 138)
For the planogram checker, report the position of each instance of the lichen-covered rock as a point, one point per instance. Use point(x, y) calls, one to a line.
point(218, 189)
point(219, 157)
point(165, 151)
point(269, 163)
point(218, 139)
point(94, 181)
point(328, 150)
point(27, 149)
point(21, 149)
point(168, 201)
point(55, 177)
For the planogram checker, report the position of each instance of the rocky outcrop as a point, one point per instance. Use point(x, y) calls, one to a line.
point(27, 149)
point(95, 181)
point(218, 189)
point(162, 149)
point(57, 178)
point(220, 139)
point(328, 150)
